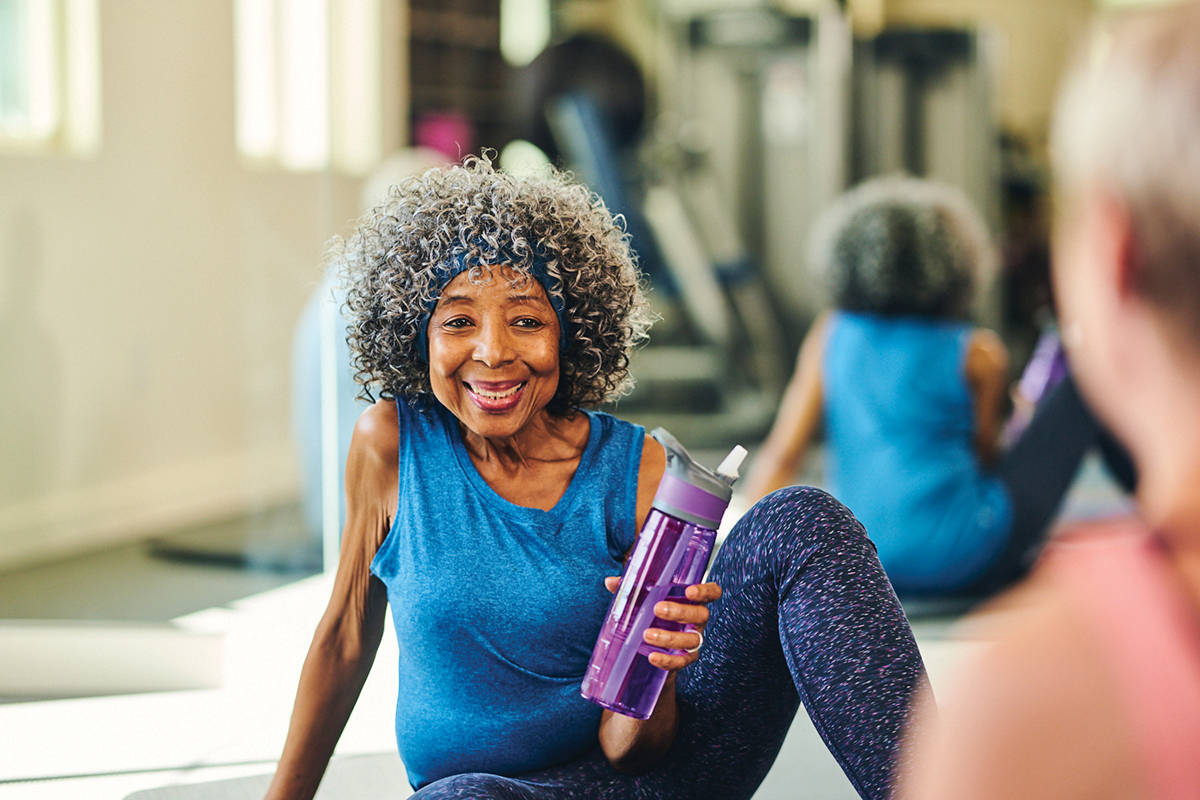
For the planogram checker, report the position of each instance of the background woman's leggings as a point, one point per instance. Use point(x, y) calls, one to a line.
point(807, 616)
point(1038, 469)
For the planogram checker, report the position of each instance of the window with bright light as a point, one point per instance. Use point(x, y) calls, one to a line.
point(524, 29)
point(50, 75)
point(308, 83)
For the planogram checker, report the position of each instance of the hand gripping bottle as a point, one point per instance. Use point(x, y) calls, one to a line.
point(671, 553)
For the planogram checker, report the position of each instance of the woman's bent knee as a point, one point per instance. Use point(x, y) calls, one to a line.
point(791, 524)
point(803, 515)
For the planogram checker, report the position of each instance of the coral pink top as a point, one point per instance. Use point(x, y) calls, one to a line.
point(1119, 574)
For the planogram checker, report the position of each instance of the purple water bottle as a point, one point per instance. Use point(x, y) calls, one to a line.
point(671, 553)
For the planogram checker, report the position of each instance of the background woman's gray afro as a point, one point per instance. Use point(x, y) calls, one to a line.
point(901, 246)
point(387, 268)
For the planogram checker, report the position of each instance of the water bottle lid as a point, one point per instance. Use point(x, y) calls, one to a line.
point(691, 491)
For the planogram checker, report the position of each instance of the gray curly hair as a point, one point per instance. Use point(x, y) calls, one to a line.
point(393, 263)
point(900, 245)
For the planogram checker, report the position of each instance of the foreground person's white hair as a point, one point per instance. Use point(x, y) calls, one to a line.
point(1127, 124)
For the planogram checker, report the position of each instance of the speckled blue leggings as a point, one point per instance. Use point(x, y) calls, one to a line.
point(807, 616)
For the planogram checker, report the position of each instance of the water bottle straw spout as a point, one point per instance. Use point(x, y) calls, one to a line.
point(728, 468)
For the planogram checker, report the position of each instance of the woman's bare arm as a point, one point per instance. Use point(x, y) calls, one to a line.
point(986, 370)
point(796, 421)
point(348, 635)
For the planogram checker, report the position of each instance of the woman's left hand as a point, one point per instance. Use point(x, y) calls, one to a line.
point(693, 614)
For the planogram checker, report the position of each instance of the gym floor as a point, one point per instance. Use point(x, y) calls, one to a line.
point(254, 581)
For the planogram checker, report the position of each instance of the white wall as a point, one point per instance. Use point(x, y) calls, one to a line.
point(147, 299)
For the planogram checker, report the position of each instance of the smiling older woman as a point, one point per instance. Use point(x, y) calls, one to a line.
point(490, 510)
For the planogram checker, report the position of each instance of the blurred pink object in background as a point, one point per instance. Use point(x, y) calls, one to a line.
point(448, 132)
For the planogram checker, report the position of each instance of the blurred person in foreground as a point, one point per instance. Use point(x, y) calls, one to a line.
point(1089, 685)
point(486, 505)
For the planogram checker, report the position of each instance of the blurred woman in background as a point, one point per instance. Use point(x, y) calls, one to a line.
point(912, 397)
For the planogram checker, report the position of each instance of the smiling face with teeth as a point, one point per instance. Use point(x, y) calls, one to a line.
point(493, 352)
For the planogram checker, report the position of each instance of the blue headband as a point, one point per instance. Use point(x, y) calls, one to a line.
point(462, 261)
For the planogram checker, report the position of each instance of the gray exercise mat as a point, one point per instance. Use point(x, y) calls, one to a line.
point(378, 776)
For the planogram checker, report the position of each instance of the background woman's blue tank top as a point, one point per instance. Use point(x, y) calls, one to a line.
point(497, 606)
point(900, 426)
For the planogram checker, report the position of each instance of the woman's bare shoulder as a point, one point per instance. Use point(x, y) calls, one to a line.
point(1036, 690)
point(377, 432)
point(986, 354)
point(372, 472)
point(812, 348)
point(654, 462)
point(373, 461)
point(650, 472)
point(1036, 633)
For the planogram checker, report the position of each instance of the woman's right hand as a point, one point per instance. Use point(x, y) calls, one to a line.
point(692, 614)
point(633, 745)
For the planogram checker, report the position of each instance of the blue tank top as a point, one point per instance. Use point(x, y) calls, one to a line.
point(497, 606)
point(900, 427)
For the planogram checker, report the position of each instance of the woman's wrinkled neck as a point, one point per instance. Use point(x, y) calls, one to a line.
point(547, 437)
